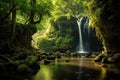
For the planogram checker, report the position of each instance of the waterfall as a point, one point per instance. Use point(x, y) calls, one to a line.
point(84, 34)
point(80, 49)
point(88, 41)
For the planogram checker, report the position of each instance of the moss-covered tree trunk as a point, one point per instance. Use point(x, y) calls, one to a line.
point(13, 27)
point(13, 21)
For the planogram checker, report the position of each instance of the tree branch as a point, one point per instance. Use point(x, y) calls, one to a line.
point(8, 13)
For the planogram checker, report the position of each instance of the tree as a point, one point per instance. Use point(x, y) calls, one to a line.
point(39, 8)
point(13, 19)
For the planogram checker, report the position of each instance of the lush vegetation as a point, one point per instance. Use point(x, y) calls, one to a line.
point(60, 35)
point(50, 26)
point(19, 20)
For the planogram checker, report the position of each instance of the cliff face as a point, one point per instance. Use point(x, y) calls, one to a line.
point(104, 16)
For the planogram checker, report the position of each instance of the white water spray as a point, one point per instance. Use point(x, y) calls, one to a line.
point(80, 50)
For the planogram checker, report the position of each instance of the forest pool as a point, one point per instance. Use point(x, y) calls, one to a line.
point(71, 69)
point(77, 69)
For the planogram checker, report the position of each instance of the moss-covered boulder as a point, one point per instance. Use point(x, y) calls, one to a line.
point(116, 58)
point(46, 62)
point(51, 57)
point(105, 60)
point(24, 69)
point(99, 58)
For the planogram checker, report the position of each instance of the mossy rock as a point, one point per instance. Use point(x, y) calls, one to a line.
point(46, 62)
point(51, 57)
point(43, 57)
point(110, 60)
point(20, 56)
point(31, 61)
point(35, 67)
point(105, 60)
point(2, 67)
point(116, 57)
point(32, 58)
point(99, 58)
point(59, 56)
point(24, 69)
point(8, 66)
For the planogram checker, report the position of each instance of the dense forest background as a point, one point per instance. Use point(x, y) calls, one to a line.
point(50, 25)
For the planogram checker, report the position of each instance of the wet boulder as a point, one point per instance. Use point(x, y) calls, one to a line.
point(105, 60)
point(46, 62)
point(35, 67)
point(67, 60)
point(24, 69)
point(116, 58)
point(99, 58)
point(51, 57)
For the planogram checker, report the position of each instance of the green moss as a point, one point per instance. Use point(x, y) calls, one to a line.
point(46, 44)
point(110, 59)
point(51, 57)
point(30, 60)
point(60, 34)
point(105, 60)
point(99, 58)
point(23, 68)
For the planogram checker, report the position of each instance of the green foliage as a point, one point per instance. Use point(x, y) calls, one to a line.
point(30, 60)
point(46, 44)
point(41, 9)
point(70, 7)
point(4, 8)
point(111, 60)
point(60, 34)
point(64, 42)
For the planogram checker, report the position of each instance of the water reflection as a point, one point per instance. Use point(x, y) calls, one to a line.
point(76, 69)
point(44, 74)
point(102, 74)
point(72, 69)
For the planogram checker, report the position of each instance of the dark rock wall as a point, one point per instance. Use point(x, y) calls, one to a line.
point(105, 16)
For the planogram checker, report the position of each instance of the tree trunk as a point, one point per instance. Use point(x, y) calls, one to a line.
point(7, 15)
point(32, 13)
point(13, 21)
point(13, 27)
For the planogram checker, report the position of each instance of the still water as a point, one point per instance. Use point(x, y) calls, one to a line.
point(77, 69)
point(71, 69)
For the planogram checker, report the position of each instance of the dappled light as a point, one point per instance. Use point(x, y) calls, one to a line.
point(59, 40)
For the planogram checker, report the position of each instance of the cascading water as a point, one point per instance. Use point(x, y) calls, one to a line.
point(80, 49)
point(84, 34)
point(88, 42)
